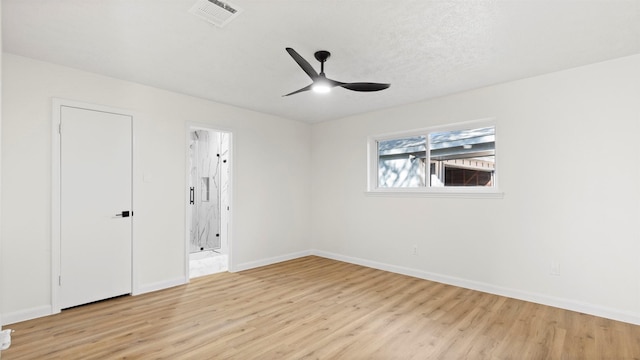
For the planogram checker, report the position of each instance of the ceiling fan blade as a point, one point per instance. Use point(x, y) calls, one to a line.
point(365, 86)
point(303, 64)
point(306, 88)
point(334, 83)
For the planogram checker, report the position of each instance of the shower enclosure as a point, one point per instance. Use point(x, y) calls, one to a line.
point(208, 154)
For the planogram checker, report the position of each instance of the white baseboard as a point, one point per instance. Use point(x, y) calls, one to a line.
point(567, 304)
point(160, 285)
point(270, 261)
point(27, 314)
point(46, 310)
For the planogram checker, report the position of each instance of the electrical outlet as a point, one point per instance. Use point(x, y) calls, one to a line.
point(555, 268)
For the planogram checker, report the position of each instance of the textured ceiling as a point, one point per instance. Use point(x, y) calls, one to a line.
point(425, 49)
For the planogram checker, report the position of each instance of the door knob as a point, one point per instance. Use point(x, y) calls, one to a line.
point(125, 214)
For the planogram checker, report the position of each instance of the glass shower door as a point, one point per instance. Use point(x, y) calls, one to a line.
point(204, 183)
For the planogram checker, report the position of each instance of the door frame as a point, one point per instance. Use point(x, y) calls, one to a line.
point(191, 126)
point(57, 104)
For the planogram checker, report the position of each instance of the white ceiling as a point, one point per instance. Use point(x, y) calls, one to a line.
point(425, 49)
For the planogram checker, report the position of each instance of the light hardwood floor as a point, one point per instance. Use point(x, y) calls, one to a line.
point(315, 308)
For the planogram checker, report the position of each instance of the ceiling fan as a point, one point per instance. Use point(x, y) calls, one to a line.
point(321, 83)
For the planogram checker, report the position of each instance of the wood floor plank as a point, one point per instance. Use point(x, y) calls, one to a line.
point(316, 308)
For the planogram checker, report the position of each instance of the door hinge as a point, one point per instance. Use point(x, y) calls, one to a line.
point(59, 280)
point(60, 128)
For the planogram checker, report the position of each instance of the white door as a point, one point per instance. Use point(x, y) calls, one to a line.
point(95, 205)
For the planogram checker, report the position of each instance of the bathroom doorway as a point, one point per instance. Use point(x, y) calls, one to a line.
point(208, 200)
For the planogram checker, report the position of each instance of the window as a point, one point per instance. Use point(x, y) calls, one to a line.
point(460, 158)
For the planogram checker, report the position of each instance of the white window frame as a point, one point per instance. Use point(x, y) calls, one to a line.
point(428, 191)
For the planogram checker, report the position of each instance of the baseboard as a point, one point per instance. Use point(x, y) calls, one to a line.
point(269, 261)
point(27, 314)
point(42, 311)
point(567, 304)
point(160, 285)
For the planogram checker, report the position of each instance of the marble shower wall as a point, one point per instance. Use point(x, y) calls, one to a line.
point(205, 155)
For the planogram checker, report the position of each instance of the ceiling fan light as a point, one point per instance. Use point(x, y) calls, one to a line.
point(321, 88)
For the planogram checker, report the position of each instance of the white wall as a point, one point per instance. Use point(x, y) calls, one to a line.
point(567, 155)
point(271, 191)
point(568, 162)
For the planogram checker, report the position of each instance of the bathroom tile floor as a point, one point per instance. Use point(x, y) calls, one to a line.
point(206, 263)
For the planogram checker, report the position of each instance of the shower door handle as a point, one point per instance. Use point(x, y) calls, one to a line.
point(192, 196)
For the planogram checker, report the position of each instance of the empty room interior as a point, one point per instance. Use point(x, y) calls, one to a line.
point(283, 179)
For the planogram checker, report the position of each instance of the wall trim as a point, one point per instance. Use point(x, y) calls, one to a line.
point(160, 285)
point(270, 261)
point(562, 303)
point(26, 314)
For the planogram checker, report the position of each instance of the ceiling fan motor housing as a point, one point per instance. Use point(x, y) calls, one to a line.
point(322, 55)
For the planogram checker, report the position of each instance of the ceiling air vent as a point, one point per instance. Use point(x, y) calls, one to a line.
point(216, 12)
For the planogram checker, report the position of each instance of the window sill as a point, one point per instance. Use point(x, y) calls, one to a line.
point(440, 193)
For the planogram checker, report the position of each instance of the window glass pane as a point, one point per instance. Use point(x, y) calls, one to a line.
point(462, 157)
point(401, 162)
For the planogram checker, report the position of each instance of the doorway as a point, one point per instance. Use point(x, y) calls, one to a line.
point(92, 204)
point(208, 202)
